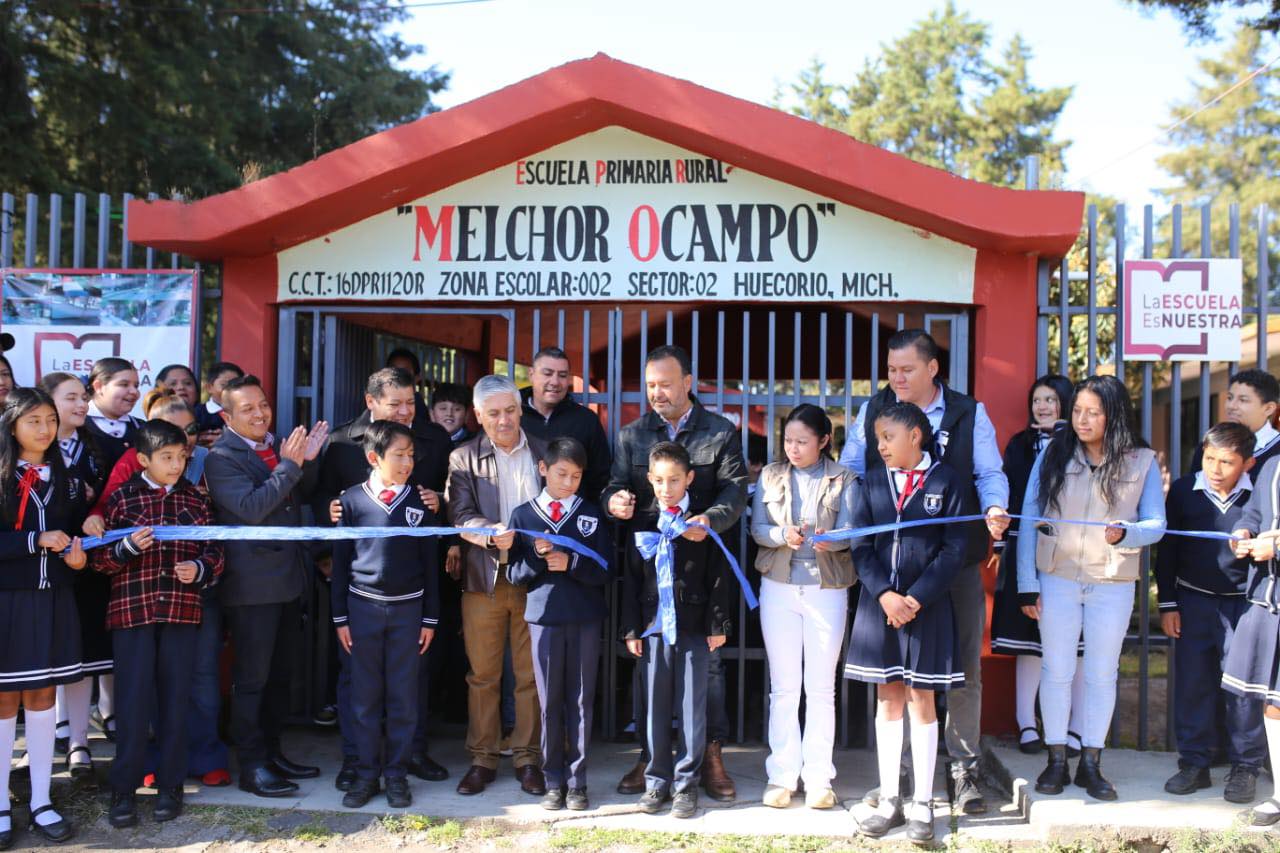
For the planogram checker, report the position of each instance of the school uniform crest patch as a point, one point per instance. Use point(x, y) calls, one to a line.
point(587, 524)
point(413, 515)
point(933, 504)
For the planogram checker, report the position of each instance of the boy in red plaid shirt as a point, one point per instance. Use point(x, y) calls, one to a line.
point(154, 615)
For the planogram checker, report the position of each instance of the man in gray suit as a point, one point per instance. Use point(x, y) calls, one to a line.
point(256, 479)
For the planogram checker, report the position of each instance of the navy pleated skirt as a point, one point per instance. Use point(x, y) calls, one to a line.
point(39, 638)
point(920, 654)
point(1251, 666)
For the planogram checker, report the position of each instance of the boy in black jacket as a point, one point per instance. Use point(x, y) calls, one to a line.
point(385, 609)
point(564, 608)
point(1201, 586)
point(674, 642)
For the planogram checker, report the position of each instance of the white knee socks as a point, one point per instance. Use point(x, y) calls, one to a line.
point(888, 757)
point(1076, 720)
point(1027, 681)
point(39, 727)
point(8, 734)
point(1272, 728)
point(924, 756)
point(106, 694)
point(76, 711)
point(60, 704)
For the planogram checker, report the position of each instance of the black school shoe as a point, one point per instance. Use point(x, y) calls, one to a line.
point(553, 800)
point(57, 832)
point(919, 831)
point(1057, 772)
point(168, 804)
point(1030, 747)
point(1188, 780)
point(398, 794)
point(424, 768)
point(576, 800)
point(346, 778)
point(652, 800)
point(124, 809)
point(878, 825)
point(1242, 784)
point(684, 804)
point(360, 794)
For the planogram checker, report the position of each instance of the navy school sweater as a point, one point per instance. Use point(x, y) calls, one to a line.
point(561, 598)
point(1205, 565)
point(23, 563)
point(396, 569)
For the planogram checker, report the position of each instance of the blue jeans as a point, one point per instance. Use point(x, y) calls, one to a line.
point(1102, 610)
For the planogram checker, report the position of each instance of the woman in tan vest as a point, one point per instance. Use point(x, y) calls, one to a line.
point(1073, 577)
point(804, 602)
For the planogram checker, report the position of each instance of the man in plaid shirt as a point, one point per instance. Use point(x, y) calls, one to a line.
point(154, 614)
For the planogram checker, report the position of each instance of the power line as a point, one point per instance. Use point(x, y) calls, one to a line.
point(258, 10)
point(1165, 131)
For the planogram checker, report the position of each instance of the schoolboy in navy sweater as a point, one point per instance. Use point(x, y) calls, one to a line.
point(565, 608)
point(1201, 585)
point(676, 674)
point(385, 609)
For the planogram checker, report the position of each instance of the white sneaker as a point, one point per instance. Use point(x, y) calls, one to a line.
point(777, 797)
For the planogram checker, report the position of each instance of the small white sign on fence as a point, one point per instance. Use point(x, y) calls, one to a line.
point(1184, 310)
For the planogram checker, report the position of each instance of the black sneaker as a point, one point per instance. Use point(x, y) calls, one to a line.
point(346, 778)
point(1242, 784)
point(553, 800)
point(360, 794)
point(398, 794)
point(967, 798)
point(576, 800)
point(1188, 780)
point(168, 804)
point(124, 810)
point(652, 800)
point(685, 803)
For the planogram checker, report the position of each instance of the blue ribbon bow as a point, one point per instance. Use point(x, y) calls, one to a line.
point(657, 546)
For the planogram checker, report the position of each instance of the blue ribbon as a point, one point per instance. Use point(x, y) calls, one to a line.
point(846, 533)
point(657, 546)
point(229, 533)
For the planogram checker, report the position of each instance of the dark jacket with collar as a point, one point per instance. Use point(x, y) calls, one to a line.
point(473, 501)
point(343, 463)
point(701, 581)
point(110, 448)
point(570, 597)
point(23, 563)
point(953, 445)
point(719, 488)
point(572, 420)
point(245, 492)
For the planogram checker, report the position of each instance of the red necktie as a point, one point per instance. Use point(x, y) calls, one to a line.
point(30, 477)
point(915, 479)
point(557, 510)
point(269, 457)
point(387, 496)
point(674, 510)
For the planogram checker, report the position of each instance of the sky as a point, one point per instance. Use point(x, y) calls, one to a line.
point(1127, 66)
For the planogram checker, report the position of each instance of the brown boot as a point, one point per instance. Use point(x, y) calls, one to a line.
point(715, 781)
point(633, 782)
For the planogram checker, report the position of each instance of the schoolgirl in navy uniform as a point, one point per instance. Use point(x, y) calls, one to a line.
point(904, 634)
point(81, 457)
point(1250, 669)
point(113, 384)
point(39, 630)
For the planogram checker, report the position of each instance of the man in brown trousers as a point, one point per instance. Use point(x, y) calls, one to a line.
point(489, 476)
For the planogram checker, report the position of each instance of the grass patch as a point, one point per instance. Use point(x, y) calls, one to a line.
point(576, 838)
point(315, 831)
point(405, 823)
point(1237, 839)
point(445, 834)
point(485, 830)
point(243, 820)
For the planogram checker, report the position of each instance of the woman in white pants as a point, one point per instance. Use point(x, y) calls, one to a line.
point(804, 602)
point(1073, 577)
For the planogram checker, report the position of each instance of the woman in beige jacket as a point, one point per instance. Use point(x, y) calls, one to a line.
point(1074, 577)
point(804, 602)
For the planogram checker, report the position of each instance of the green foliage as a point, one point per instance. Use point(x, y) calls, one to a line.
point(194, 98)
point(935, 95)
point(1199, 16)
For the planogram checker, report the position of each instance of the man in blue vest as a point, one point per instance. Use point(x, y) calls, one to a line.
point(966, 440)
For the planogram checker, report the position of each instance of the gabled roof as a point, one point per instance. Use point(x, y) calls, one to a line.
point(407, 162)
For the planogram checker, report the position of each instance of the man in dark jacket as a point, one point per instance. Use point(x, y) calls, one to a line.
point(255, 479)
point(389, 396)
point(718, 494)
point(550, 412)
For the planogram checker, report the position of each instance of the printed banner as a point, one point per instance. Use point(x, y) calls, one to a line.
point(615, 215)
point(65, 320)
point(1185, 310)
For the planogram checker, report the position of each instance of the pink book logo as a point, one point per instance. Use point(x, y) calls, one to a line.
point(63, 351)
point(1186, 310)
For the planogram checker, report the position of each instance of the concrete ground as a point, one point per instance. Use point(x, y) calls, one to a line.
point(1144, 814)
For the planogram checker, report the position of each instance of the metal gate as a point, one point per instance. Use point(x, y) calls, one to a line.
point(753, 366)
point(1176, 401)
